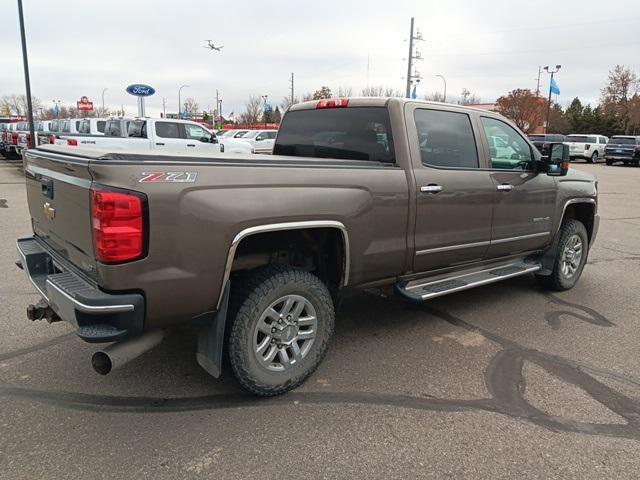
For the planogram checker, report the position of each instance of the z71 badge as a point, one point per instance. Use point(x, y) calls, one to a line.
point(168, 177)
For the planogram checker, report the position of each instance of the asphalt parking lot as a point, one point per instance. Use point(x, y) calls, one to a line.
point(503, 381)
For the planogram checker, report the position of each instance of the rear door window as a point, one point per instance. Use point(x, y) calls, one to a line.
point(351, 133)
point(168, 130)
point(100, 125)
point(446, 139)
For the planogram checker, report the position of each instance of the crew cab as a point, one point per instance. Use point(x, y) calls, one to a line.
point(542, 141)
point(252, 141)
point(623, 148)
point(589, 147)
point(256, 251)
point(148, 134)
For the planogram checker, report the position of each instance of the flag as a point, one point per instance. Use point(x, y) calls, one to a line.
point(554, 87)
point(414, 95)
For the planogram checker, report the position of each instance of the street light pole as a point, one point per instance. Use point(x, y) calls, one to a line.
point(27, 81)
point(264, 110)
point(57, 107)
point(179, 102)
point(444, 97)
point(552, 72)
point(103, 90)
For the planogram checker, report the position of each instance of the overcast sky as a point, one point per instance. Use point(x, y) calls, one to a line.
point(489, 47)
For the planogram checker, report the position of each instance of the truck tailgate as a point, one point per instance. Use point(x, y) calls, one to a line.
point(59, 197)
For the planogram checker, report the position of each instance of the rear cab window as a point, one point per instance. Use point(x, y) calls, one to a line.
point(351, 133)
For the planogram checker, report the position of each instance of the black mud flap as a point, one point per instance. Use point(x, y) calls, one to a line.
point(211, 339)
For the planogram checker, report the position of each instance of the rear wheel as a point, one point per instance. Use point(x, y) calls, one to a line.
point(594, 158)
point(283, 319)
point(571, 256)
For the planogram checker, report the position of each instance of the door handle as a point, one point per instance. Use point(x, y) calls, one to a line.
point(505, 187)
point(190, 145)
point(431, 188)
point(160, 144)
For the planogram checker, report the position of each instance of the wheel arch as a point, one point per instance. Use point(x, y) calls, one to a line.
point(290, 227)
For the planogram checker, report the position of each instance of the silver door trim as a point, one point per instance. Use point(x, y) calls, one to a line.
point(521, 237)
point(460, 246)
point(453, 247)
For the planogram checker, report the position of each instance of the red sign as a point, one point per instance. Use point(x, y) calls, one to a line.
point(85, 104)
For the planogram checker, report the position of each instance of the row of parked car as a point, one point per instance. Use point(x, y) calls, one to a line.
point(137, 134)
point(594, 147)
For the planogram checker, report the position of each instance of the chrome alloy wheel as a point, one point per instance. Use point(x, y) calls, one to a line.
point(572, 256)
point(285, 333)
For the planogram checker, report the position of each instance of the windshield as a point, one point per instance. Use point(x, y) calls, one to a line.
point(538, 138)
point(356, 133)
point(623, 140)
point(250, 134)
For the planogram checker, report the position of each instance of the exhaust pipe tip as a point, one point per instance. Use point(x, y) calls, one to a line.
point(101, 363)
point(121, 353)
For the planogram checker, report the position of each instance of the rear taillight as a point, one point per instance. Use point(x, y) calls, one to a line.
point(52, 139)
point(118, 225)
point(72, 142)
point(587, 146)
point(14, 138)
point(333, 103)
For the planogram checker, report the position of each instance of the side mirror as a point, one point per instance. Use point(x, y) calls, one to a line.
point(557, 160)
point(259, 138)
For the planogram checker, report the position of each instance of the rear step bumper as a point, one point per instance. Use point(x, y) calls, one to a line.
point(425, 289)
point(98, 316)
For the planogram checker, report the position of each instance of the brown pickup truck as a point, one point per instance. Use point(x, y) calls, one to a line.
point(257, 250)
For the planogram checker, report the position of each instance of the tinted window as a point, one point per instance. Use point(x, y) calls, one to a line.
point(513, 153)
point(271, 135)
point(356, 133)
point(446, 139)
point(138, 129)
point(84, 127)
point(592, 140)
point(113, 129)
point(101, 125)
point(168, 130)
point(623, 140)
point(577, 138)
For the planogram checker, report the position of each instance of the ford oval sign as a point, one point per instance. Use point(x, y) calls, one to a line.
point(140, 90)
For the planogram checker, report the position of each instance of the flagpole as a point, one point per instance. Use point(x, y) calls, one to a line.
point(552, 72)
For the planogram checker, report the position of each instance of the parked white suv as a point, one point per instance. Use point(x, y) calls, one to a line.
point(254, 141)
point(589, 147)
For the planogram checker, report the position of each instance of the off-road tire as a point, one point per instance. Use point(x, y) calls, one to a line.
point(251, 294)
point(557, 280)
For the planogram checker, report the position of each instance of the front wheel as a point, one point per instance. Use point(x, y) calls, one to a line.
point(571, 256)
point(283, 318)
point(608, 162)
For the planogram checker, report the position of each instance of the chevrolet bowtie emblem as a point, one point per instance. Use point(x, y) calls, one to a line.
point(49, 211)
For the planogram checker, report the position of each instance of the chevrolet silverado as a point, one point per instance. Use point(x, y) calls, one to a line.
point(256, 251)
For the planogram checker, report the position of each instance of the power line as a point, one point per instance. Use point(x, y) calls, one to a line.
point(518, 52)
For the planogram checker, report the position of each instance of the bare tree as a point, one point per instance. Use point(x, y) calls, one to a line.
point(253, 111)
point(393, 92)
point(372, 91)
point(434, 96)
point(286, 103)
point(307, 96)
point(17, 104)
point(345, 92)
point(469, 98)
point(191, 106)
